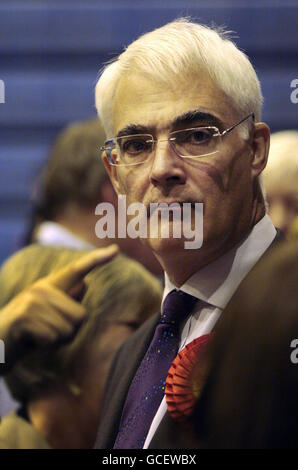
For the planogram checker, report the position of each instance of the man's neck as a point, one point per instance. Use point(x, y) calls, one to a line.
point(180, 265)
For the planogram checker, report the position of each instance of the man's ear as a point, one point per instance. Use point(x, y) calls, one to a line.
point(112, 172)
point(260, 147)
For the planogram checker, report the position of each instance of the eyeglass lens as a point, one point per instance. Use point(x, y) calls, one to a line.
point(186, 143)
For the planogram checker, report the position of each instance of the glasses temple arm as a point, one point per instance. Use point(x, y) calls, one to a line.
point(240, 122)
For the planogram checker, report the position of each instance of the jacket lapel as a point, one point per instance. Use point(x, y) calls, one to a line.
point(123, 369)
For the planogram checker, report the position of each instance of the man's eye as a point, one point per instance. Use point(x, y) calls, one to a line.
point(135, 146)
point(198, 136)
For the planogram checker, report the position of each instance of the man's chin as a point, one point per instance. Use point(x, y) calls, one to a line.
point(162, 246)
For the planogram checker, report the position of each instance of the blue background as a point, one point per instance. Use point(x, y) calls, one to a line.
point(51, 52)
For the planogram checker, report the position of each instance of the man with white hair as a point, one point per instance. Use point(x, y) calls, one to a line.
point(181, 107)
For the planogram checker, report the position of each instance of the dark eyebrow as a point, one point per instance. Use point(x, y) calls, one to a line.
point(198, 118)
point(132, 129)
point(184, 120)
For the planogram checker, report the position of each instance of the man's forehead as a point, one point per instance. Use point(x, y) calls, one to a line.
point(150, 104)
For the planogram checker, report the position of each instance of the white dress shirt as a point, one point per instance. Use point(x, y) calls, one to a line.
point(215, 284)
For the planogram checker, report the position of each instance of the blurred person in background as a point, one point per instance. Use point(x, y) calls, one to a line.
point(280, 179)
point(72, 183)
point(45, 313)
point(60, 388)
point(69, 187)
point(248, 398)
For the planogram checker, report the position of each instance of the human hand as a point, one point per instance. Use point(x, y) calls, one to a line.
point(46, 314)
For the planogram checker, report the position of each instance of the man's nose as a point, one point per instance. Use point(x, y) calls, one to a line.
point(167, 167)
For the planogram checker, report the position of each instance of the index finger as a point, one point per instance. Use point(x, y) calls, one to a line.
point(66, 277)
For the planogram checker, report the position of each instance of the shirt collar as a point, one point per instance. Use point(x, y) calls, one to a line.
point(52, 233)
point(217, 282)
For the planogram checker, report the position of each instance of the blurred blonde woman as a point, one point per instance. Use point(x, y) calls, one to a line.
point(60, 389)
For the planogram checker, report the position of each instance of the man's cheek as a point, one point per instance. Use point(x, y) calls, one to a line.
point(210, 174)
point(123, 183)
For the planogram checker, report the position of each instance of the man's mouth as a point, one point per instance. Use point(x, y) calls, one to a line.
point(171, 207)
point(171, 204)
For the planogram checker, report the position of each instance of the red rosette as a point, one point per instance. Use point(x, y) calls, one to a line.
point(180, 390)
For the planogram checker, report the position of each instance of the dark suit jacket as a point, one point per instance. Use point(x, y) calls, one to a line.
point(122, 371)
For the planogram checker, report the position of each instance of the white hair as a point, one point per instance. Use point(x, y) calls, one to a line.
point(168, 52)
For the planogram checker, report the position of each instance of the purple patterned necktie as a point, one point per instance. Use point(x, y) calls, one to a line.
point(147, 388)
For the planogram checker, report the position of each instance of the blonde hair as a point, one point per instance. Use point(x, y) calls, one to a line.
point(282, 165)
point(121, 291)
point(178, 47)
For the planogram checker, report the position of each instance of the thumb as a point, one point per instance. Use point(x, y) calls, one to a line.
point(66, 277)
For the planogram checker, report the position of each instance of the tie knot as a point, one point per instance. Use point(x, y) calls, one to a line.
point(176, 306)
